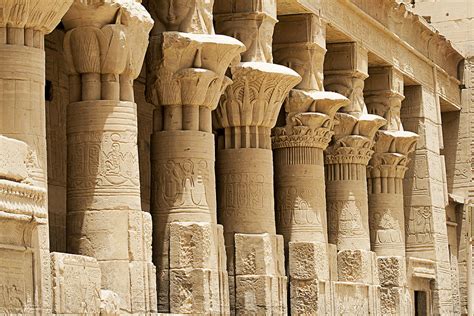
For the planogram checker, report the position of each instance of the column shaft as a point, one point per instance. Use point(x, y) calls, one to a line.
point(22, 107)
point(105, 219)
point(244, 118)
point(186, 77)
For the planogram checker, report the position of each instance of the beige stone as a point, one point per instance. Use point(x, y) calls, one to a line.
point(185, 79)
point(314, 158)
point(76, 282)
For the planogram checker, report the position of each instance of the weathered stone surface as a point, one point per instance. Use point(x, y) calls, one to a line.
point(76, 284)
point(229, 155)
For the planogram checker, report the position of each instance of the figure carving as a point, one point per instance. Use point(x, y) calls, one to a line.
point(388, 228)
point(190, 16)
point(419, 226)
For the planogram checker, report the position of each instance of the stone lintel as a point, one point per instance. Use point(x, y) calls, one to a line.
point(245, 6)
point(421, 268)
point(356, 266)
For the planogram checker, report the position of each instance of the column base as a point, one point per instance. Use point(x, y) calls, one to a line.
point(259, 284)
point(394, 295)
point(196, 281)
point(308, 271)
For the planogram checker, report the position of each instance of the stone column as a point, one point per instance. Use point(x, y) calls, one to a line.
point(426, 237)
point(244, 118)
point(104, 47)
point(383, 95)
point(186, 68)
point(298, 145)
point(23, 25)
point(346, 162)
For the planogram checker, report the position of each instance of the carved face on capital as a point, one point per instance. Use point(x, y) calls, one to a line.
point(172, 13)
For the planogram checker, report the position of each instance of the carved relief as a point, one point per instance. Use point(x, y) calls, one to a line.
point(350, 220)
point(241, 190)
point(176, 177)
point(107, 159)
point(385, 228)
point(419, 226)
point(190, 16)
point(293, 206)
point(16, 282)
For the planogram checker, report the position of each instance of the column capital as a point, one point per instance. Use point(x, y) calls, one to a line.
point(190, 68)
point(353, 139)
point(251, 104)
point(251, 22)
point(346, 68)
point(383, 95)
point(106, 37)
point(193, 17)
point(300, 44)
point(309, 119)
point(39, 15)
point(391, 152)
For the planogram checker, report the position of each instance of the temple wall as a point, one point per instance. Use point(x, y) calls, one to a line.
point(302, 158)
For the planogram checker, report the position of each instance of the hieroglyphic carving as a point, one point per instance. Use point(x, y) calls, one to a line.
point(419, 227)
point(105, 159)
point(178, 175)
point(242, 190)
point(345, 220)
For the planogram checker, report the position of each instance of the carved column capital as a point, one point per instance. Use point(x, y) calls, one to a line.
point(189, 69)
point(106, 36)
point(300, 44)
point(193, 16)
point(391, 152)
point(383, 95)
point(309, 119)
point(251, 22)
point(39, 15)
point(250, 106)
point(345, 68)
point(353, 139)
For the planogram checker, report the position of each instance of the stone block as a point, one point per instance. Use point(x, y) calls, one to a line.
point(392, 300)
point(308, 260)
point(13, 158)
point(153, 291)
point(190, 291)
point(391, 271)
point(116, 277)
point(255, 254)
point(253, 295)
point(139, 285)
point(191, 246)
point(76, 284)
point(355, 266)
point(140, 236)
point(351, 299)
point(99, 234)
point(304, 297)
